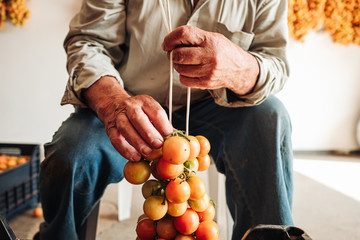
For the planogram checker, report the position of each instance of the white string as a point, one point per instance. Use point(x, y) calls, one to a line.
point(171, 87)
point(188, 110)
point(164, 17)
point(169, 14)
point(167, 23)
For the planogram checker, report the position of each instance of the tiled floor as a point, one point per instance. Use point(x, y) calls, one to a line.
point(326, 203)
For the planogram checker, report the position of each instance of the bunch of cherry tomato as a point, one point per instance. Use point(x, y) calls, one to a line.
point(7, 161)
point(176, 204)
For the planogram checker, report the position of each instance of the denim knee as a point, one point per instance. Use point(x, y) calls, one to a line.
point(68, 143)
point(82, 153)
point(271, 112)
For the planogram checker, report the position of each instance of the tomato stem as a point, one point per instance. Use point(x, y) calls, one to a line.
point(164, 199)
point(187, 169)
point(180, 133)
point(212, 202)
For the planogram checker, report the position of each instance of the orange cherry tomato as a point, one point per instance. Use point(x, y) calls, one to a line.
point(38, 212)
point(194, 147)
point(177, 191)
point(204, 162)
point(197, 187)
point(204, 145)
point(155, 207)
point(168, 170)
point(208, 214)
point(207, 230)
point(11, 163)
point(188, 222)
point(155, 154)
point(184, 237)
point(201, 204)
point(137, 172)
point(176, 150)
point(177, 209)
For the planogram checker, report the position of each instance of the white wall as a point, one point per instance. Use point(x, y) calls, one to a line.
point(33, 74)
point(322, 95)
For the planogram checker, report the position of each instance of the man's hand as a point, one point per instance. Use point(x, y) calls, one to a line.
point(208, 60)
point(135, 125)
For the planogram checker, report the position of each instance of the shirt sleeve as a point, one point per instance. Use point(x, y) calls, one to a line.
point(269, 48)
point(93, 46)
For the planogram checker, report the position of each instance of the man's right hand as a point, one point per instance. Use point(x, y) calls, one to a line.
point(135, 125)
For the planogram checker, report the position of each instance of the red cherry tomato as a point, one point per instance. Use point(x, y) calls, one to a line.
point(165, 228)
point(154, 172)
point(168, 170)
point(207, 230)
point(188, 222)
point(146, 229)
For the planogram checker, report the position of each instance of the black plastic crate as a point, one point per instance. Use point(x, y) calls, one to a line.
point(19, 186)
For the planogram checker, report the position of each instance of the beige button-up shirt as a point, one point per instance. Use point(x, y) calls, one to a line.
point(122, 38)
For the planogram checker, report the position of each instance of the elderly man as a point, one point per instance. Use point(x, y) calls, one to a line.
point(232, 53)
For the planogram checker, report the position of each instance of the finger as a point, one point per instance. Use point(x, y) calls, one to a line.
point(122, 146)
point(141, 122)
point(190, 56)
point(184, 35)
point(131, 134)
point(198, 82)
point(159, 119)
point(194, 71)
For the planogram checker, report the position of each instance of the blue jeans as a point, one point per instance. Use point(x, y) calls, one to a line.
point(250, 145)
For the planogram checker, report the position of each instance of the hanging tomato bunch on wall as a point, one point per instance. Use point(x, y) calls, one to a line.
point(340, 18)
point(14, 10)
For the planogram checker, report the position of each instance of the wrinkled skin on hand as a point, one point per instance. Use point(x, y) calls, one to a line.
point(135, 125)
point(209, 60)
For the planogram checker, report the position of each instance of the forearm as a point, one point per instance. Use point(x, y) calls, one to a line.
point(245, 76)
point(105, 95)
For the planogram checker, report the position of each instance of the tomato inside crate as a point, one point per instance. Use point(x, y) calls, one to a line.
point(19, 179)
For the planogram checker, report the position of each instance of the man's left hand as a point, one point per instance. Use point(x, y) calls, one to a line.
point(209, 60)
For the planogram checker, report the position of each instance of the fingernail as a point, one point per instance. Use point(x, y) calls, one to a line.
point(157, 143)
point(145, 150)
